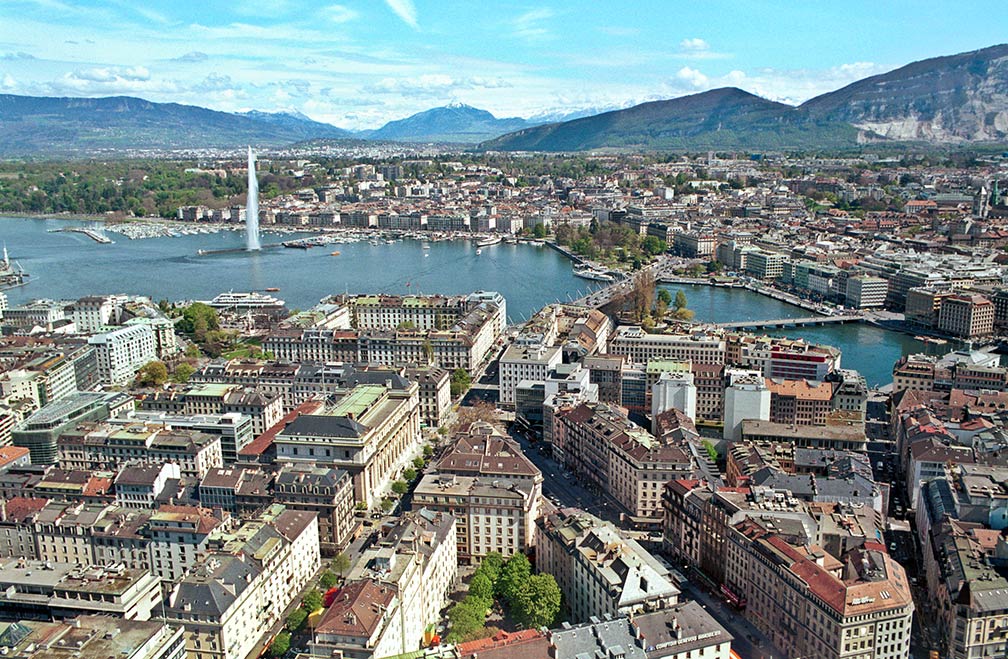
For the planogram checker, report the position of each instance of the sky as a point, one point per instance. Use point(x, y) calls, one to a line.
point(358, 64)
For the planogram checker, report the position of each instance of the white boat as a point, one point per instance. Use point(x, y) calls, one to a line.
point(487, 242)
point(478, 251)
point(253, 300)
point(588, 272)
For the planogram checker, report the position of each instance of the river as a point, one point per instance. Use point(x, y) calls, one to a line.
point(869, 349)
point(71, 265)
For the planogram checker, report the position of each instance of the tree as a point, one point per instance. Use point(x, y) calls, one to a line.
point(653, 246)
point(514, 577)
point(280, 645)
point(478, 411)
point(192, 351)
point(491, 566)
point(465, 617)
point(680, 300)
point(409, 474)
point(481, 586)
point(341, 563)
point(460, 382)
point(387, 504)
point(538, 603)
point(312, 601)
point(539, 231)
point(201, 313)
point(327, 580)
point(665, 296)
point(296, 619)
point(182, 373)
point(400, 487)
point(152, 374)
point(711, 451)
point(419, 463)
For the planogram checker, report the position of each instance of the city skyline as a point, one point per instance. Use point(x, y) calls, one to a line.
point(358, 65)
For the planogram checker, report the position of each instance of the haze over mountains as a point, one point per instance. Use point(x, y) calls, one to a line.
point(944, 100)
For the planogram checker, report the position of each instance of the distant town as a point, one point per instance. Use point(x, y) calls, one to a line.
point(404, 475)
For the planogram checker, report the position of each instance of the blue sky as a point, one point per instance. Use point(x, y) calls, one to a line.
point(359, 64)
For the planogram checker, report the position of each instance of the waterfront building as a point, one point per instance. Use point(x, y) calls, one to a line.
point(866, 292)
point(966, 316)
point(599, 571)
point(639, 347)
point(121, 352)
point(765, 265)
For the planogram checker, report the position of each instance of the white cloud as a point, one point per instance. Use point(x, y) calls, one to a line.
point(530, 26)
point(338, 14)
point(406, 10)
point(692, 77)
point(694, 44)
point(20, 55)
point(8, 82)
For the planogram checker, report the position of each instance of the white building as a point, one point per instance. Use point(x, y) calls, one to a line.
point(598, 571)
point(673, 390)
point(241, 589)
point(120, 353)
point(525, 362)
point(746, 397)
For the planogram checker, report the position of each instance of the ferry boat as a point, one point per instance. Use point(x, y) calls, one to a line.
point(931, 339)
point(487, 242)
point(588, 272)
point(253, 300)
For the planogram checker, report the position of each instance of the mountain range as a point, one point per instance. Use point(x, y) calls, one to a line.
point(943, 100)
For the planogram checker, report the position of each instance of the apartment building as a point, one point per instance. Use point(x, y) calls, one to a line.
point(639, 347)
point(121, 352)
point(410, 572)
point(327, 492)
point(799, 402)
point(98, 446)
point(264, 409)
point(599, 571)
point(241, 589)
point(599, 444)
point(91, 636)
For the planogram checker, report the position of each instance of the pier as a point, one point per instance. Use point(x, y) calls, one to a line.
point(90, 233)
